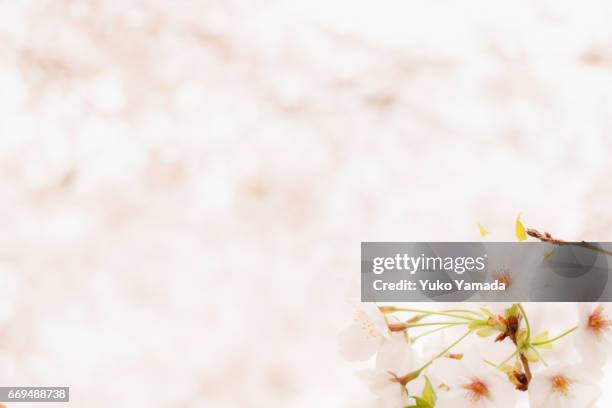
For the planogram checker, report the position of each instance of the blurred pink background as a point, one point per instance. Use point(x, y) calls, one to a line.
point(185, 184)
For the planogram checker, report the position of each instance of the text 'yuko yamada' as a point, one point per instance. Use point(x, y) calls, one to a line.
point(437, 286)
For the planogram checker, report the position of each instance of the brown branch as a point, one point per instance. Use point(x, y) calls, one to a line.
point(546, 237)
point(526, 368)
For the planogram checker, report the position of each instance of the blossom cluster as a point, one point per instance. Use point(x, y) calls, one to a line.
point(481, 355)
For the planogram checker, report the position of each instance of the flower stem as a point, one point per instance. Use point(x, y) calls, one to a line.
point(492, 364)
point(427, 313)
point(539, 355)
point(443, 352)
point(510, 357)
point(526, 367)
point(407, 325)
point(526, 321)
point(541, 343)
point(465, 311)
point(437, 329)
point(398, 327)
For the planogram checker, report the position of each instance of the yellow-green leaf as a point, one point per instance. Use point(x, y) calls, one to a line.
point(541, 337)
point(548, 254)
point(521, 338)
point(506, 368)
point(487, 311)
point(474, 324)
point(485, 331)
point(420, 402)
point(531, 355)
point(512, 311)
point(429, 394)
point(521, 235)
point(483, 231)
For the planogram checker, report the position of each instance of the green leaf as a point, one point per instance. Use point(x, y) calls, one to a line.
point(531, 355)
point(521, 235)
point(512, 311)
point(486, 311)
point(421, 403)
point(429, 394)
point(541, 337)
point(521, 338)
point(475, 324)
point(482, 230)
point(485, 331)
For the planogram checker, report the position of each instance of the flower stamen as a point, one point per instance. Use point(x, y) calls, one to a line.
point(503, 276)
point(477, 389)
point(561, 384)
point(362, 319)
point(598, 322)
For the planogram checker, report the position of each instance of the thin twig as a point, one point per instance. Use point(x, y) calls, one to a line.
point(546, 237)
point(526, 367)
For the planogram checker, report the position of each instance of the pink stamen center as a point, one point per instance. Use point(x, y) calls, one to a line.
point(503, 276)
point(477, 389)
point(598, 321)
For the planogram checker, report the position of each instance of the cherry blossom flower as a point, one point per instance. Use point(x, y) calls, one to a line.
point(473, 384)
point(365, 335)
point(396, 354)
point(389, 392)
point(431, 359)
point(594, 337)
point(565, 386)
point(390, 380)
